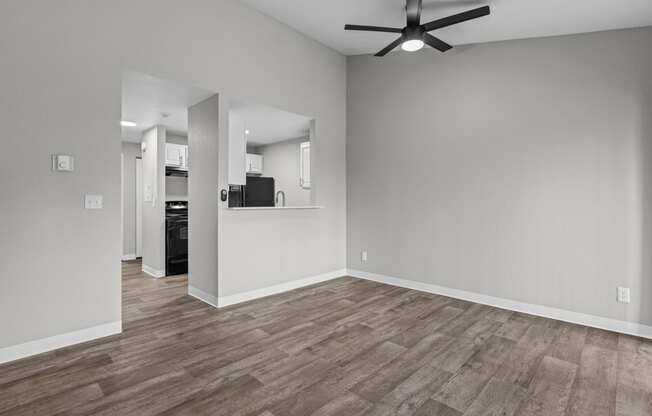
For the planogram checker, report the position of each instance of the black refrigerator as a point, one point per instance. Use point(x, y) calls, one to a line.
point(258, 192)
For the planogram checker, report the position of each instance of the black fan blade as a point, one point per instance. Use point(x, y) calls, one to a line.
point(436, 43)
point(373, 28)
point(413, 8)
point(456, 18)
point(391, 46)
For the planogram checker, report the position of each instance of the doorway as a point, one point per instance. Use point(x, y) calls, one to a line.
point(157, 159)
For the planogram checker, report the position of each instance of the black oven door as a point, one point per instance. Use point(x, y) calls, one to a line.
point(176, 245)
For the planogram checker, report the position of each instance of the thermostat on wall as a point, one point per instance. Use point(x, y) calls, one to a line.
point(63, 163)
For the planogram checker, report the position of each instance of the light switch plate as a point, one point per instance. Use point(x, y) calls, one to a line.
point(93, 201)
point(624, 295)
point(148, 194)
point(63, 163)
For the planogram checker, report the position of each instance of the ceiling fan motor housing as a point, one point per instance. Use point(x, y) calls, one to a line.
point(413, 33)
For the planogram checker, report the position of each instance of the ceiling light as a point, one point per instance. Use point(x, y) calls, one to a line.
point(125, 123)
point(412, 45)
point(246, 131)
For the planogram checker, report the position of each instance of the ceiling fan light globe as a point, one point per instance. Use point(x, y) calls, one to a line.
point(412, 45)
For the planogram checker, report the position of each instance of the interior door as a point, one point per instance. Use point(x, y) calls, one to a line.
point(139, 207)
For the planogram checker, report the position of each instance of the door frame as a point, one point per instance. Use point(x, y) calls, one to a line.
point(139, 207)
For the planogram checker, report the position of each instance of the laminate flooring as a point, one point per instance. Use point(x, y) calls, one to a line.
point(344, 347)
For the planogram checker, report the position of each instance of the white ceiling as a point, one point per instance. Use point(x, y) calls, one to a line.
point(146, 98)
point(268, 124)
point(324, 20)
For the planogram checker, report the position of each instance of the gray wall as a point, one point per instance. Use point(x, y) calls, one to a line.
point(130, 152)
point(203, 139)
point(281, 160)
point(154, 209)
point(61, 91)
point(516, 169)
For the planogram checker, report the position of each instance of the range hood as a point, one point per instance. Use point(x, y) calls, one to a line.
point(171, 171)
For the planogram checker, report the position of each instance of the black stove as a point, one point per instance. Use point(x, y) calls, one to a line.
point(176, 238)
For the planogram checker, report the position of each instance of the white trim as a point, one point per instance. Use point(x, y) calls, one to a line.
point(223, 301)
point(122, 199)
point(139, 207)
point(203, 296)
point(274, 208)
point(16, 352)
point(153, 272)
point(624, 327)
point(128, 257)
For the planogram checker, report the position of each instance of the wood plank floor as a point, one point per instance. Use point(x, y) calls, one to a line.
point(344, 347)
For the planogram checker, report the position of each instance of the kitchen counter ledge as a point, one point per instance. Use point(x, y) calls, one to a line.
point(273, 208)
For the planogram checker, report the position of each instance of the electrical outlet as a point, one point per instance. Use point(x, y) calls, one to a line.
point(363, 256)
point(623, 294)
point(63, 163)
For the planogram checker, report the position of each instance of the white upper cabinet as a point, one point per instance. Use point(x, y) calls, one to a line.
point(254, 164)
point(304, 168)
point(176, 155)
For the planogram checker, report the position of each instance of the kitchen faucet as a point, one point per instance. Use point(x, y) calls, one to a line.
point(277, 194)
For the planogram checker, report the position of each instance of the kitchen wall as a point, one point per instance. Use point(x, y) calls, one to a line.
point(130, 151)
point(281, 161)
point(517, 169)
point(176, 188)
point(60, 77)
point(154, 201)
point(297, 235)
point(176, 138)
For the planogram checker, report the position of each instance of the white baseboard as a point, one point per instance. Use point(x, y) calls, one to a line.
point(223, 301)
point(624, 327)
point(203, 296)
point(153, 272)
point(128, 257)
point(16, 352)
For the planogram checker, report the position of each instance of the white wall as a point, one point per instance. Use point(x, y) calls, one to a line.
point(514, 169)
point(176, 188)
point(130, 152)
point(154, 201)
point(281, 161)
point(237, 149)
point(61, 91)
point(176, 138)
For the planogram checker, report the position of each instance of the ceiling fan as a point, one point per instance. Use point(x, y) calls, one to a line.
point(414, 35)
